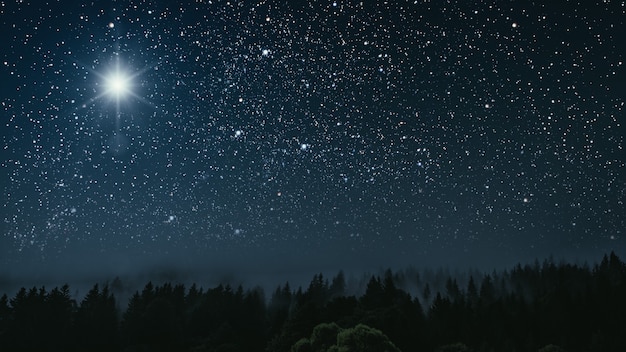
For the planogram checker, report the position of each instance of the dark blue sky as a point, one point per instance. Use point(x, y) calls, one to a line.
point(309, 135)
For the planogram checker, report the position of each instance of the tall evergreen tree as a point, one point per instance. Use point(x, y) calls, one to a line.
point(97, 321)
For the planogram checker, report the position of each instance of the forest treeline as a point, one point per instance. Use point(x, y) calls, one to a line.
point(541, 307)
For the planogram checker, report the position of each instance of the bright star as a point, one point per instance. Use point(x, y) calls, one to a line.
point(117, 84)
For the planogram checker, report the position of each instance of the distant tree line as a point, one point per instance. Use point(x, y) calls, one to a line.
point(544, 307)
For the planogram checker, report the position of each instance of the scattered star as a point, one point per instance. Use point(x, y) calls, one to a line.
point(155, 133)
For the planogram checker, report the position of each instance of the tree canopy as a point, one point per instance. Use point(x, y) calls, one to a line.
point(540, 307)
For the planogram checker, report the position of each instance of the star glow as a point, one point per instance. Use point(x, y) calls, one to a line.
point(118, 84)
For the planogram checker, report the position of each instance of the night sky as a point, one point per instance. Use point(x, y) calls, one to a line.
point(288, 136)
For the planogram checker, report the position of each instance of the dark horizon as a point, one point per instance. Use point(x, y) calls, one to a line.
point(544, 307)
point(267, 271)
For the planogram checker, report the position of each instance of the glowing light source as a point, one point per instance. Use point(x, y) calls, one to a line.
point(117, 84)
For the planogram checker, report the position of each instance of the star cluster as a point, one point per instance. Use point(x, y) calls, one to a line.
point(420, 125)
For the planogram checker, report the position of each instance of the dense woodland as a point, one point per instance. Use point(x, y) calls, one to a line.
point(540, 307)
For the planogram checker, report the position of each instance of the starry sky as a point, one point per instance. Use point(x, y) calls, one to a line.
point(304, 134)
